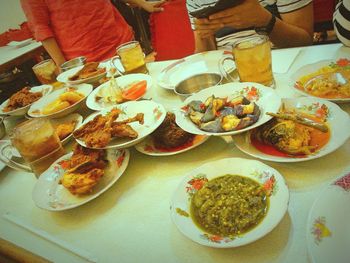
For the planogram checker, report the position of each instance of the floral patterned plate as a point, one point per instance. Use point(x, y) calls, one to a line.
point(328, 228)
point(148, 147)
point(266, 98)
point(271, 180)
point(49, 194)
point(311, 70)
point(338, 120)
point(205, 62)
point(154, 115)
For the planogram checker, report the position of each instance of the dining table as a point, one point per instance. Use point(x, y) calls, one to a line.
point(12, 56)
point(131, 221)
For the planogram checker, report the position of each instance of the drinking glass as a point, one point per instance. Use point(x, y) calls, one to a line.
point(253, 61)
point(132, 58)
point(45, 71)
point(37, 142)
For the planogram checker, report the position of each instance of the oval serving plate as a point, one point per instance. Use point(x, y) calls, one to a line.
point(123, 82)
point(148, 147)
point(64, 77)
point(338, 120)
point(49, 194)
point(35, 110)
point(328, 229)
point(271, 180)
point(205, 62)
point(312, 68)
point(154, 115)
point(45, 89)
point(266, 98)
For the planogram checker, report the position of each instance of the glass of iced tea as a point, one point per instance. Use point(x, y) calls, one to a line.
point(131, 57)
point(45, 71)
point(38, 144)
point(253, 60)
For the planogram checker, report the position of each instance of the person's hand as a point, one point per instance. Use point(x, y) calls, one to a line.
point(154, 6)
point(248, 14)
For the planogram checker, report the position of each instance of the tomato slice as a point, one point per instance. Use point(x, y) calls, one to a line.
point(135, 90)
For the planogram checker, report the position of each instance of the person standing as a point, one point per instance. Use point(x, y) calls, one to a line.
point(68, 29)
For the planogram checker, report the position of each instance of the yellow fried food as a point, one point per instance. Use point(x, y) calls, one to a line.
point(71, 96)
point(55, 106)
point(81, 183)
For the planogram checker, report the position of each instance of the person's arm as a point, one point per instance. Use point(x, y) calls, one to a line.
point(149, 6)
point(295, 28)
point(341, 20)
point(54, 51)
point(205, 43)
point(38, 18)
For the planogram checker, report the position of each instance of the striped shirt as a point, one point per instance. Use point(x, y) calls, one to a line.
point(225, 41)
point(341, 19)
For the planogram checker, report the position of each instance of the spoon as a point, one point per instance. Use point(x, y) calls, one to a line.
point(335, 79)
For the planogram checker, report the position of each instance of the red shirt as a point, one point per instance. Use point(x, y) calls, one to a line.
point(90, 28)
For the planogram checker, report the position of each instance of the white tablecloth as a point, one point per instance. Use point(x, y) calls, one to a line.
point(131, 221)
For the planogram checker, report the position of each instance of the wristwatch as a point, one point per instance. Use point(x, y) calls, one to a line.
point(266, 30)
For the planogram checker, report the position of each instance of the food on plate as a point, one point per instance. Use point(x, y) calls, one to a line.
point(63, 130)
point(293, 133)
point(223, 114)
point(89, 70)
point(229, 205)
point(64, 101)
point(98, 132)
point(330, 82)
point(169, 135)
point(113, 93)
point(135, 90)
point(21, 99)
point(84, 170)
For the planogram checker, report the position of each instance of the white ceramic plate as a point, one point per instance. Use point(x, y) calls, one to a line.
point(328, 228)
point(35, 110)
point(154, 115)
point(256, 170)
point(266, 98)
point(19, 44)
point(67, 119)
point(311, 68)
point(45, 89)
point(50, 195)
point(64, 77)
point(338, 120)
point(148, 147)
point(206, 62)
point(122, 82)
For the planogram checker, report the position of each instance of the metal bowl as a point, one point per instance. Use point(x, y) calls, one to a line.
point(196, 83)
point(73, 63)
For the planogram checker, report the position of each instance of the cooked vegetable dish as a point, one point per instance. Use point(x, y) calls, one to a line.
point(229, 205)
point(222, 114)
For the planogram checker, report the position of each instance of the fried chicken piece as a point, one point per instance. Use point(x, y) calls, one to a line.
point(64, 129)
point(21, 99)
point(85, 169)
point(123, 130)
point(81, 183)
point(89, 70)
point(97, 132)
